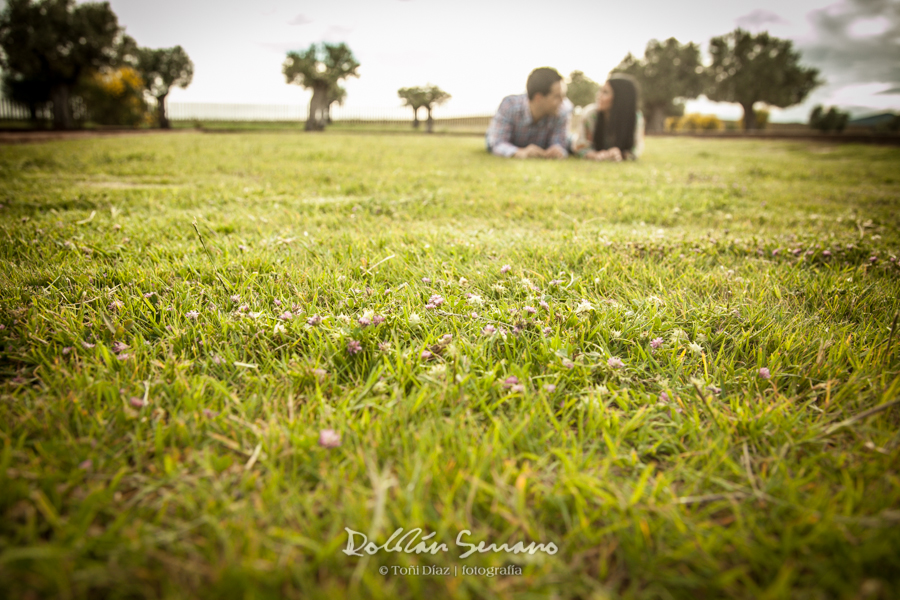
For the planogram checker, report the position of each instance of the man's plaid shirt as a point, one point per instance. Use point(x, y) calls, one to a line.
point(513, 127)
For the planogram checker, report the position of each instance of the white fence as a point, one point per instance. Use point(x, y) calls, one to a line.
point(198, 111)
point(202, 111)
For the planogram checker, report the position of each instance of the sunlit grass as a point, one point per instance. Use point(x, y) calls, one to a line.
point(163, 399)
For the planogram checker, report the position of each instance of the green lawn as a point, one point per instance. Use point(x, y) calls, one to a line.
point(557, 352)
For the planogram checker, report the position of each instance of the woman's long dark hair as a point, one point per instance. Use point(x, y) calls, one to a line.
point(622, 116)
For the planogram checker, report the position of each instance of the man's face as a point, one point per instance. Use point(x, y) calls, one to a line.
point(550, 103)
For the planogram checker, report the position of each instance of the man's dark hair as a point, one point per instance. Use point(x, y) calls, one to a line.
point(541, 80)
point(619, 131)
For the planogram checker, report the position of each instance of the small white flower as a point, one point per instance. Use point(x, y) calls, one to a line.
point(415, 320)
point(615, 333)
point(368, 314)
point(589, 401)
point(438, 370)
point(498, 287)
point(279, 328)
point(583, 307)
point(476, 300)
point(695, 348)
point(345, 319)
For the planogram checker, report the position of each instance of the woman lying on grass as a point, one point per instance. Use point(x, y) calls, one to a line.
point(613, 128)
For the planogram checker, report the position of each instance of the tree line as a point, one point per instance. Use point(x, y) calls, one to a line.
point(63, 53)
point(745, 69)
point(60, 52)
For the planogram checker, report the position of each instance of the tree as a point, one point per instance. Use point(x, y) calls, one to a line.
point(336, 95)
point(669, 73)
point(31, 93)
point(162, 69)
point(56, 41)
point(749, 68)
point(433, 96)
point(833, 120)
point(893, 125)
point(581, 90)
point(413, 97)
point(319, 68)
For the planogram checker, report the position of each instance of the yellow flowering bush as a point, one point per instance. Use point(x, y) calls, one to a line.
point(115, 97)
point(694, 122)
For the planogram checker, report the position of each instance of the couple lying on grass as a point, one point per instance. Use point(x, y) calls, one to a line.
point(536, 124)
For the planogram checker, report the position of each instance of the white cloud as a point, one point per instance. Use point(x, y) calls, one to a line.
point(863, 28)
point(866, 94)
point(300, 20)
point(759, 19)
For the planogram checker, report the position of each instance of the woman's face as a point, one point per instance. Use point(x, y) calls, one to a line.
point(605, 97)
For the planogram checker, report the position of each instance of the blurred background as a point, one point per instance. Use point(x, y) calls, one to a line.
point(232, 57)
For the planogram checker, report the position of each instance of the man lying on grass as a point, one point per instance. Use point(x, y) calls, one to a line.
point(532, 125)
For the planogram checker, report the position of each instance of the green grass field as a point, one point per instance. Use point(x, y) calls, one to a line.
point(681, 372)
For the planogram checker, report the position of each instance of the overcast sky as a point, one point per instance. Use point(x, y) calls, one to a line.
point(480, 51)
